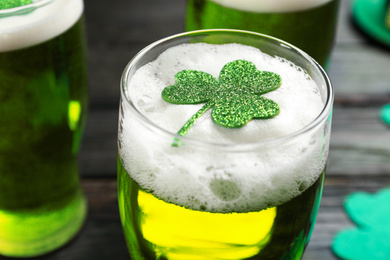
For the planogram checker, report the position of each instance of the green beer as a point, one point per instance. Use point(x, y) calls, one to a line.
point(309, 25)
point(223, 193)
point(43, 104)
point(157, 229)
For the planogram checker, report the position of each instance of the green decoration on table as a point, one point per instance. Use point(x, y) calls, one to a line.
point(6, 4)
point(385, 114)
point(371, 238)
point(370, 16)
point(235, 99)
point(387, 15)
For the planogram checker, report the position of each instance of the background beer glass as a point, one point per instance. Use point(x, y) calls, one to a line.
point(43, 104)
point(308, 24)
point(207, 199)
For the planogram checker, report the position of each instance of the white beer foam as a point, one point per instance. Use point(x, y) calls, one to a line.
point(271, 6)
point(210, 178)
point(42, 24)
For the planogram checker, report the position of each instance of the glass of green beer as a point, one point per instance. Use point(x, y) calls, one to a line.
point(190, 187)
point(43, 104)
point(308, 24)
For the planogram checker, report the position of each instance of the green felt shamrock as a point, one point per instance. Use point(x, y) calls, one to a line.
point(235, 99)
point(385, 114)
point(371, 238)
point(5, 4)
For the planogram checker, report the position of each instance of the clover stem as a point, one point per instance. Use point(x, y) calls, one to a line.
point(184, 130)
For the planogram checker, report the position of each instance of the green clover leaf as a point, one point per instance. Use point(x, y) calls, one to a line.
point(5, 4)
point(370, 239)
point(235, 99)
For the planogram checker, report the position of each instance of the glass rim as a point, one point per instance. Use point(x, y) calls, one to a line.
point(189, 141)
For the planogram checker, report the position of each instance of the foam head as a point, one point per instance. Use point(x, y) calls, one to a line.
point(299, 99)
point(271, 6)
point(38, 22)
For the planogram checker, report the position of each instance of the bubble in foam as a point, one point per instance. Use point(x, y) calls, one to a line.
point(226, 190)
point(214, 179)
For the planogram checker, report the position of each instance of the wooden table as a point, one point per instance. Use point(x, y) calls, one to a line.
point(360, 144)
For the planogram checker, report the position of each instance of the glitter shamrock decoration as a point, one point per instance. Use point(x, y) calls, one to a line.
point(235, 100)
point(5, 4)
point(371, 238)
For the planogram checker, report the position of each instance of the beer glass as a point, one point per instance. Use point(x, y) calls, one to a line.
point(308, 24)
point(43, 104)
point(220, 193)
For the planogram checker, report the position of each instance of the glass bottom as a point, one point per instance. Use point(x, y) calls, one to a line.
point(34, 233)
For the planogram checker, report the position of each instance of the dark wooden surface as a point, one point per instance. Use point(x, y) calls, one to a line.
point(360, 144)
